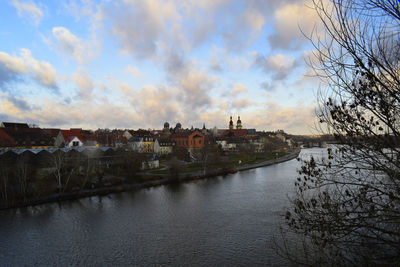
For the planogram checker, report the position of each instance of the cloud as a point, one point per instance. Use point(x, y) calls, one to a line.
point(19, 103)
point(186, 24)
point(279, 65)
point(220, 60)
point(192, 82)
point(195, 86)
point(242, 103)
point(239, 88)
point(69, 43)
point(290, 21)
point(269, 87)
point(296, 119)
point(13, 67)
point(156, 105)
point(43, 71)
point(247, 22)
point(28, 10)
point(84, 83)
point(54, 113)
point(139, 24)
point(80, 9)
point(134, 71)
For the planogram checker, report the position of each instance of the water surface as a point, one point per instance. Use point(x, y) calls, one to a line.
point(227, 220)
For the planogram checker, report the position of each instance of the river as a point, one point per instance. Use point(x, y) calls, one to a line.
point(227, 220)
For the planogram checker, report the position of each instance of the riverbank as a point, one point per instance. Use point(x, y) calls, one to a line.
point(155, 181)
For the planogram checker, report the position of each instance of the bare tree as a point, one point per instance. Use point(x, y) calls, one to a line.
point(4, 176)
point(347, 204)
point(208, 154)
point(63, 170)
point(21, 173)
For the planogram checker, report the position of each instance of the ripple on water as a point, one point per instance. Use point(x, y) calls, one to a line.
point(221, 221)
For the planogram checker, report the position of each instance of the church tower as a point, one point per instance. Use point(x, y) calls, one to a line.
point(204, 130)
point(239, 123)
point(231, 124)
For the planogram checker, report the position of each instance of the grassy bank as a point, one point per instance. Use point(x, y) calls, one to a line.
point(112, 183)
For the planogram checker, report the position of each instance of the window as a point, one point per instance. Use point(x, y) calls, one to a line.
point(75, 143)
point(199, 142)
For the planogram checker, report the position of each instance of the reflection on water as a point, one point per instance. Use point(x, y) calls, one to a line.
point(225, 220)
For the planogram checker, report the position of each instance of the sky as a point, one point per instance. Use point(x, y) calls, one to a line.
point(139, 63)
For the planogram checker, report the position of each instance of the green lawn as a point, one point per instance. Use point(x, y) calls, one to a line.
point(229, 161)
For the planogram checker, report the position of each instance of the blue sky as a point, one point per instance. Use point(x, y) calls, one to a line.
point(139, 63)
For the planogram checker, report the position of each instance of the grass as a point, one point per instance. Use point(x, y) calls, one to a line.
point(230, 161)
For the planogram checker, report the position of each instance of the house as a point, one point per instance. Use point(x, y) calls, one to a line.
point(164, 146)
point(230, 143)
point(28, 137)
point(6, 140)
point(234, 133)
point(69, 138)
point(187, 139)
point(89, 137)
point(128, 134)
point(14, 125)
point(142, 141)
point(52, 132)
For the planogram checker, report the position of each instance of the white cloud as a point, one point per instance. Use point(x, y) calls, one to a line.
point(14, 64)
point(296, 119)
point(80, 50)
point(242, 103)
point(134, 71)
point(155, 105)
point(254, 18)
point(220, 60)
point(84, 83)
point(289, 19)
point(80, 9)
point(139, 24)
point(69, 43)
point(239, 88)
point(28, 10)
point(280, 66)
point(12, 67)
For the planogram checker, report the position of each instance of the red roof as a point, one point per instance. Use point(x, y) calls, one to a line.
point(70, 134)
point(234, 132)
point(184, 134)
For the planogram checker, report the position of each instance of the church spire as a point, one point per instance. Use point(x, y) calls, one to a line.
point(239, 123)
point(231, 124)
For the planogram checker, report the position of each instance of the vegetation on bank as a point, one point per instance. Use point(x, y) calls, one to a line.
point(231, 161)
point(27, 177)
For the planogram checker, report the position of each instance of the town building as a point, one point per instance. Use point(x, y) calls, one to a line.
point(142, 141)
point(69, 138)
point(164, 146)
point(189, 140)
point(14, 125)
point(19, 135)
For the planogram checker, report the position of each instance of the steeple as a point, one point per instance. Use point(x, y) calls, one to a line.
point(231, 124)
point(239, 123)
